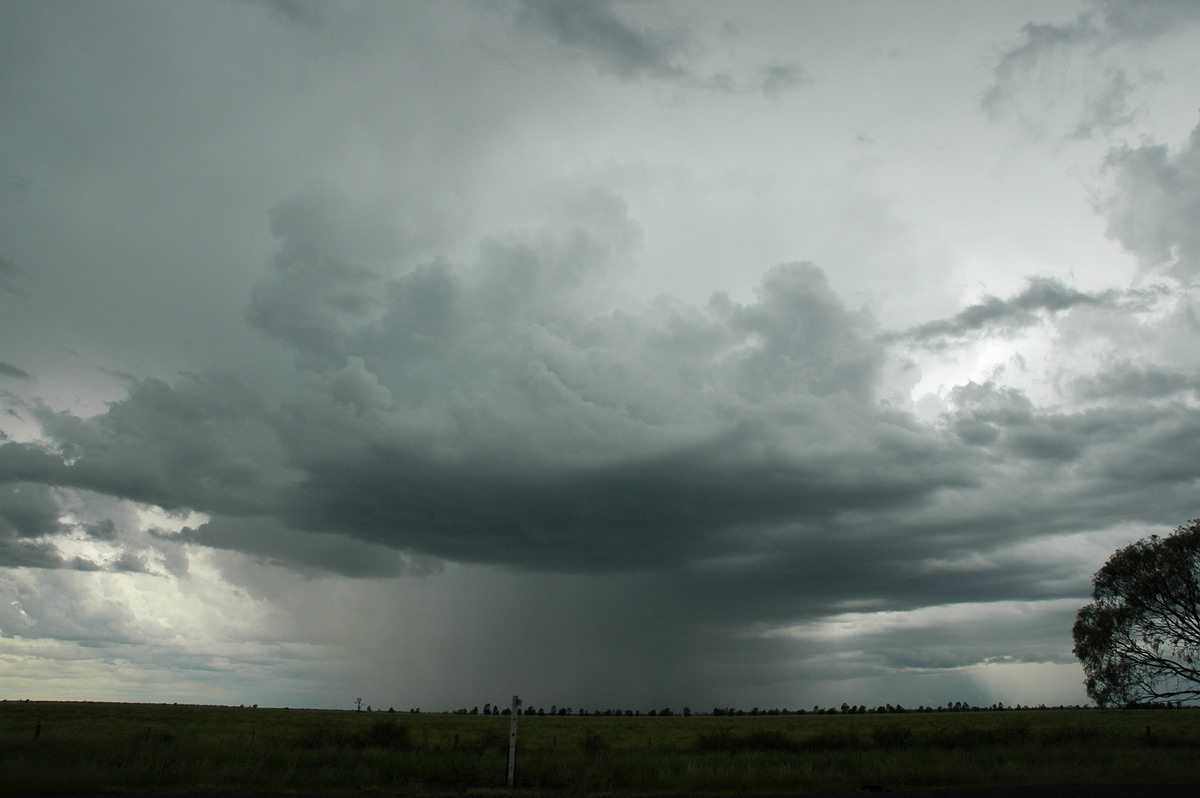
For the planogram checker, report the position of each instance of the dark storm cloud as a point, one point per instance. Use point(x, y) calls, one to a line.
point(33, 522)
point(1153, 209)
point(268, 539)
point(625, 496)
point(201, 443)
point(1135, 382)
point(9, 370)
point(617, 46)
point(101, 530)
point(29, 554)
point(28, 510)
point(996, 316)
point(703, 501)
point(597, 32)
point(564, 425)
point(499, 411)
point(497, 414)
point(30, 516)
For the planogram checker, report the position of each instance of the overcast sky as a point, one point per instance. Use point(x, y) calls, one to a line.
point(613, 354)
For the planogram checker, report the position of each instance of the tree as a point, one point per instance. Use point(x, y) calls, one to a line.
point(1139, 639)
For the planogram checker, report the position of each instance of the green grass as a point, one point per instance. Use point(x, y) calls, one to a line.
point(130, 748)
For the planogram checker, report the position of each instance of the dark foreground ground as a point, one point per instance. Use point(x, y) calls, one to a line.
point(1070, 791)
point(1078, 791)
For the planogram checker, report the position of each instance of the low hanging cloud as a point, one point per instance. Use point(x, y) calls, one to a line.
point(1135, 382)
point(271, 542)
point(995, 316)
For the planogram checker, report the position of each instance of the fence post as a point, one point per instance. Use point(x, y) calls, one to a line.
point(512, 740)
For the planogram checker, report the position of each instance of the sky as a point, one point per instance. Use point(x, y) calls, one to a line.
point(612, 354)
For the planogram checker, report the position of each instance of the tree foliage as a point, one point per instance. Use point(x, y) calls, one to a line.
point(1139, 639)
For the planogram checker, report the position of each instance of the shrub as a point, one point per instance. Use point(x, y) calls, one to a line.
point(765, 740)
point(386, 734)
point(592, 742)
point(891, 736)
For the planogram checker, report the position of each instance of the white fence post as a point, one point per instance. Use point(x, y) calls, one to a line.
point(512, 740)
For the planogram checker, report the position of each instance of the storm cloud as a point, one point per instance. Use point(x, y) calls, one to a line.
point(592, 352)
point(662, 52)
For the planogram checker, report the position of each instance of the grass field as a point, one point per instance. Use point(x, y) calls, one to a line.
point(59, 748)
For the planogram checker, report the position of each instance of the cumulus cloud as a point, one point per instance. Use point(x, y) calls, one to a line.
point(28, 511)
point(1154, 204)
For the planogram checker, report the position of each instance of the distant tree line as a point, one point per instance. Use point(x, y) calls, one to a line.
point(883, 709)
point(844, 709)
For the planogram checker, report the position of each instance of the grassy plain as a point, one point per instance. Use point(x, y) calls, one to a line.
point(49, 748)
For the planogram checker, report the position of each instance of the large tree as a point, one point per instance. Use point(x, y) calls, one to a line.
point(1139, 639)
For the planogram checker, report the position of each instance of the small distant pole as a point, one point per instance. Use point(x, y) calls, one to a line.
point(512, 740)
